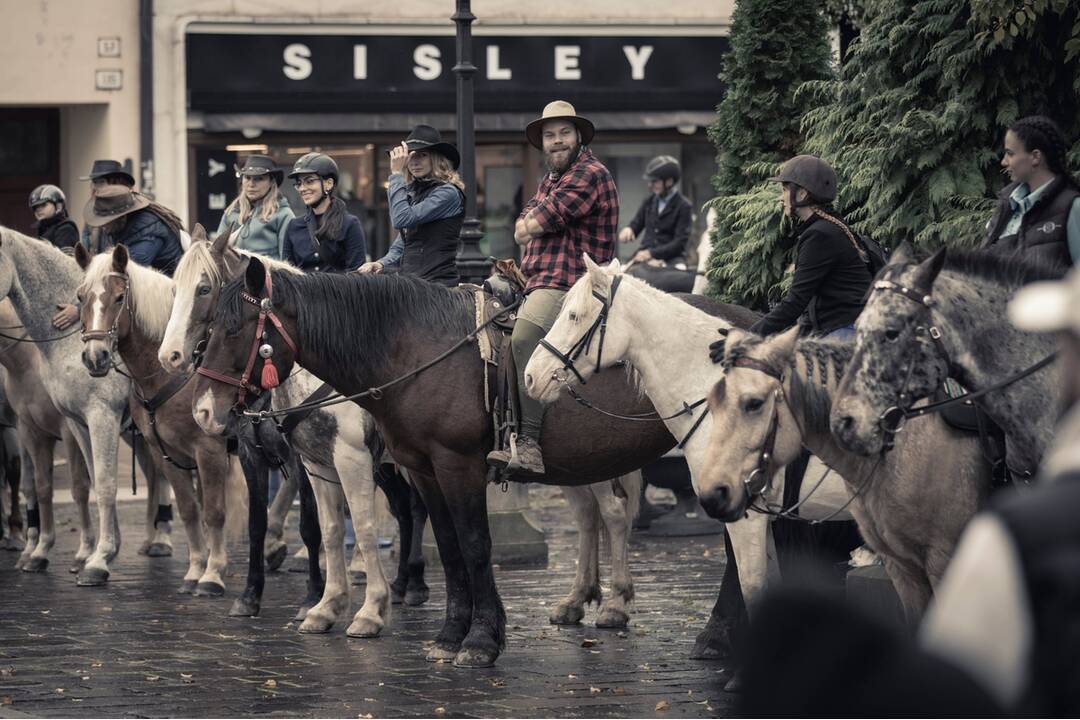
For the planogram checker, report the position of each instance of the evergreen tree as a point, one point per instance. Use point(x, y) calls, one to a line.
point(916, 121)
point(775, 46)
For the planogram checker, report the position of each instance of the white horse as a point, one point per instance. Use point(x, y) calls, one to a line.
point(37, 277)
point(666, 340)
point(334, 443)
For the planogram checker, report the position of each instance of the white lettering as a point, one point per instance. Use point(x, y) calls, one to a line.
point(494, 72)
point(637, 58)
point(566, 62)
point(359, 62)
point(297, 62)
point(428, 66)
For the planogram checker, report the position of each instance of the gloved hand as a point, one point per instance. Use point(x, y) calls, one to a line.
point(716, 349)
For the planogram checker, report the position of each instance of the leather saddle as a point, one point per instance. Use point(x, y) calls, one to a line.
point(970, 418)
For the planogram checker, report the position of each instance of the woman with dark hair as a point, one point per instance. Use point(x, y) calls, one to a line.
point(1038, 213)
point(328, 238)
point(427, 206)
point(832, 270)
point(260, 214)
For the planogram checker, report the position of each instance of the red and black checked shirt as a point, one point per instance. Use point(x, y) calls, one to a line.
point(579, 212)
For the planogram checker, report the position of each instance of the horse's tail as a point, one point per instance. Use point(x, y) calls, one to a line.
point(236, 502)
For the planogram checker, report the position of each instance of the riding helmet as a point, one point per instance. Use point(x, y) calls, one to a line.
point(316, 164)
point(47, 193)
point(812, 173)
point(663, 167)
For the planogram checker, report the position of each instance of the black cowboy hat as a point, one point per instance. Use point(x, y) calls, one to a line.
point(428, 139)
point(103, 168)
point(112, 202)
point(257, 165)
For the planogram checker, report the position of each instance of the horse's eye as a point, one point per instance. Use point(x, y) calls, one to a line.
point(753, 405)
point(204, 290)
point(892, 335)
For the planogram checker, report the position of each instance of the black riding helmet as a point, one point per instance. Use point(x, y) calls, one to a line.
point(315, 164)
point(47, 193)
point(663, 167)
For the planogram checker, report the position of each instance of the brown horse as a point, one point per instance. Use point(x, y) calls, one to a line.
point(360, 331)
point(124, 310)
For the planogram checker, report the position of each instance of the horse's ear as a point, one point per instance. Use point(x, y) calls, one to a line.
point(120, 258)
point(82, 257)
point(590, 264)
point(615, 266)
point(221, 242)
point(255, 277)
point(903, 255)
point(198, 233)
point(782, 345)
point(928, 270)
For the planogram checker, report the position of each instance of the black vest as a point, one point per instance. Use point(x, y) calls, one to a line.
point(1042, 234)
point(1044, 527)
point(431, 248)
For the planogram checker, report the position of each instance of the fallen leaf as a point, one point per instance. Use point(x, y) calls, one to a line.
point(370, 700)
point(572, 676)
point(59, 690)
point(365, 715)
point(7, 671)
point(46, 612)
point(85, 677)
point(95, 665)
point(187, 678)
point(498, 682)
point(5, 699)
point(152, 678)
point(589, 642)
point(662, 705)
point(271, 683)
point(594, 689)
point(440, 710)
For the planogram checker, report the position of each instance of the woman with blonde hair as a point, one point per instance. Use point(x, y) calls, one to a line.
point(260, 212)
point(427, 207)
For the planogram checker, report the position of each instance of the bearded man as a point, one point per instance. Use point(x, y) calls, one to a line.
point(575, 211)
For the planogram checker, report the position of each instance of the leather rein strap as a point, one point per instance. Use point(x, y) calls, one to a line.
point(243, 384)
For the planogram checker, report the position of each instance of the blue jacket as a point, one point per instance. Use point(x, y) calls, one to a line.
point(345, 254)
point(149, 241)
point(259, 237)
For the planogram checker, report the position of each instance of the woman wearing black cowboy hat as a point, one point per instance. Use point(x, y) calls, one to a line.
point(427, 206)
point(260, 214)
point(328, 238)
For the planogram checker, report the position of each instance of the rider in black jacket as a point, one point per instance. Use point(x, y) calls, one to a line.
point(663, 222)
point(49, 205)
point(832, 273)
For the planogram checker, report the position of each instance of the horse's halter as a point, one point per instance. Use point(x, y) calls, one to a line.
point(111, 336)
point(583, 344)
point(892, 420)
point(259, 348)
point(760, 478)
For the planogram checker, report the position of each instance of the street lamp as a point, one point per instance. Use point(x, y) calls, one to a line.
point(473, 266)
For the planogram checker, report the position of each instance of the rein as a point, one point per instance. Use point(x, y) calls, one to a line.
point(32, 341)
point(376, 393)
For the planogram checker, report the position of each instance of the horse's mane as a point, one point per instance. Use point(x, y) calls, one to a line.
point(355, 320)
point(199, 261)
point(150, 293)
point(1012, 271)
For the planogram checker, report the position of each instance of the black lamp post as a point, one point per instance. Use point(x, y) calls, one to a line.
point(472, 265)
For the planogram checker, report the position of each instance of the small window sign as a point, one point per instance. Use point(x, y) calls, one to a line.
point(109, 79)
point(108, 47)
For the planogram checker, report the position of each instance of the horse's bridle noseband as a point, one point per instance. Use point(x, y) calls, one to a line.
point(111, 336)
point(762, 474)
point(259, 347)
point(583, 344)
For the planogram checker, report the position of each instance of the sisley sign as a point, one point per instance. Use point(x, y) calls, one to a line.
point(357, 73)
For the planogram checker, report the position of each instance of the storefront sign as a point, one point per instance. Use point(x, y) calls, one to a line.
point(215, 180)
point(355, 73)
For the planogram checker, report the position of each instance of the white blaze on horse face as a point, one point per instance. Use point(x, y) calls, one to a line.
point(171, 354)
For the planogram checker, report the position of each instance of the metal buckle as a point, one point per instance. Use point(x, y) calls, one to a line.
point(894, 416)
point(934, 332)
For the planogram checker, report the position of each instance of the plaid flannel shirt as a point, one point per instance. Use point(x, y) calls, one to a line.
point(579, 212)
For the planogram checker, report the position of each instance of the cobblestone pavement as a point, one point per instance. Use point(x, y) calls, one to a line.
point(136, 649)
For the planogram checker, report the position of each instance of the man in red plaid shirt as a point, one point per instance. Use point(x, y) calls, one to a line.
point(575, 211)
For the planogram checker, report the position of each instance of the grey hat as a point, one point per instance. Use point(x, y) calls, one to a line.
point(1049, 306)
point(811, 173)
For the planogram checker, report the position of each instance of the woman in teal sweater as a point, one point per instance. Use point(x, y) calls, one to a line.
point(260, 212)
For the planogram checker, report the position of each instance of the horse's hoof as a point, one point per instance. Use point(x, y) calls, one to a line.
point(396, 598)
point(15, 544)
point(36, 564)
point(439, 653)
point(243, 607)
point(301, 613)
point(21, 562)
point(612, 619)
point(364, 628)
point(187, 587)
point(77, 566)
point(276, 557)
point(358, 577)
point(704, 651)
point(159, 549)
point(475, 658)
point(734, 685)
point(415, 598)
point(315, 624)
point(567, 615)
point(92, 577)
point(209, 589)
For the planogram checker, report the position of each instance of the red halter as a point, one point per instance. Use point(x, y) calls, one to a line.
point(269, 378)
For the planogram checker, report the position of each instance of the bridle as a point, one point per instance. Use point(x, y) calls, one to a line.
point(760, 478)
point(111, 336)
point(583, 344)
point(259, 348)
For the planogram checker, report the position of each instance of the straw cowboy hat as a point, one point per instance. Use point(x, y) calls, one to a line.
point(559, 110)
point(112, 202)
point(427, 139)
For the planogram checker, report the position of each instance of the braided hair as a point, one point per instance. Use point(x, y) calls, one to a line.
point(825, 214)
point(1039, 132)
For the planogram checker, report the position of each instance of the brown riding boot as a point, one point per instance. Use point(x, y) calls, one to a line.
point(522, 459)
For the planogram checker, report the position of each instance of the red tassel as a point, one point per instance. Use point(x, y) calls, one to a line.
point(269, 376)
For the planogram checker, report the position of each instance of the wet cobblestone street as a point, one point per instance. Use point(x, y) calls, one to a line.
point(137, 649)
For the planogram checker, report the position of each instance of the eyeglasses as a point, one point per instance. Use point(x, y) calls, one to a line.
point(307, 182)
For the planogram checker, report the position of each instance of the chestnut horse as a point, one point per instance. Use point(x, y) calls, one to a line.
point(358, 332)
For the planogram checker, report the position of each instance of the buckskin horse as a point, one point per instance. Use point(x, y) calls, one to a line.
point(401, 348)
